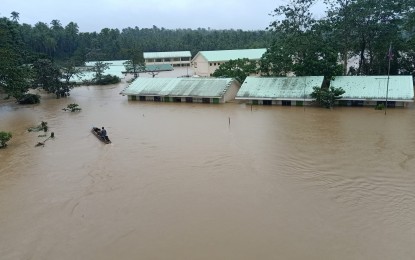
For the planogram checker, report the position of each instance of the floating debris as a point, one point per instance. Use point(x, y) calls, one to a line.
point(52, 135)
point(42, 127)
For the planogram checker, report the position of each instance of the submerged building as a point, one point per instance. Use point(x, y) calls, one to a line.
point(206, 62)
point(115, 68)
point(285, 91)
point(374, 90)
point(190, 90)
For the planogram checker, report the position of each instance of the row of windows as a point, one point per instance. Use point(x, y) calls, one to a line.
point(168, 59)
point(214, 64)
point(176, 99)
point(350, 103)
point(361, 103)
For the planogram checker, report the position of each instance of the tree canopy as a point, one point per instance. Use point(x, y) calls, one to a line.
point(352, 39)
point(238, 69)
point(14, 75)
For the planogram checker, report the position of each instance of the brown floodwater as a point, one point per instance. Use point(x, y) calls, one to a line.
point(203, 181)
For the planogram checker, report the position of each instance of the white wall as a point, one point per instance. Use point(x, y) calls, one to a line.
point(232, 91)
point(200, 66)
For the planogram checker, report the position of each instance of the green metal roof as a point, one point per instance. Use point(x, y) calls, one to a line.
point(116, 68)
point(226, 55)
point(86, 75)
point(167, 54)
point(279, 88)
point(110, 62)
point(400, 88)
point(179, 87)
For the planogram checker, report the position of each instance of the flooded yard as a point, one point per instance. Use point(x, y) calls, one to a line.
point(206, 181)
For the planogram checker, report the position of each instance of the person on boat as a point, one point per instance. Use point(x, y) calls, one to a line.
point(103, 133)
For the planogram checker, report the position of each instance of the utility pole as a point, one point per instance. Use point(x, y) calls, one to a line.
point(389, 67)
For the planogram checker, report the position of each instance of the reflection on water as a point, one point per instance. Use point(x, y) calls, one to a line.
point(200, 181)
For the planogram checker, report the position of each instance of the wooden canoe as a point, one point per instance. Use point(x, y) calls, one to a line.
point(96, 131)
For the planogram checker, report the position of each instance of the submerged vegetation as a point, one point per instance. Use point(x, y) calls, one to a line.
point(43, 126)
point(29, 98)
point(380, 106)
point(107, 80)
point(326, 97)
point(4, 138)
point(72, 108)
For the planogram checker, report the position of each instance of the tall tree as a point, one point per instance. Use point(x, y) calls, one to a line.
point(341, 16)
point(99, 69)
point(68, 73)
point(71, 38)
point(302, 46)
point(136, 63)
point(14, 16)
point(14, 75)
point(47, 76)
point(366, 28)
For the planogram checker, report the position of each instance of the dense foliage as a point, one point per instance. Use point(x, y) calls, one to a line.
point(107, 80)
point(14, 75)
point(60, 42)
point(29, 98)
point(46, 55)
point(238, 69)
point(326, 97)
point(136, 63)
point(352, 39)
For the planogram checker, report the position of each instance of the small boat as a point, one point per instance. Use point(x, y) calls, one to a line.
point(97, 132)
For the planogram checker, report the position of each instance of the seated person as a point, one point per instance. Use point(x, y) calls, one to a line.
point(103, 133)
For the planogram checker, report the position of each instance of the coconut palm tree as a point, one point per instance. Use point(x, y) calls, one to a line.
point(14, 16)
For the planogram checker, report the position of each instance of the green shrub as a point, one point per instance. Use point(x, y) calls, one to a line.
point(4, 138)
point(108, 79)
point(326, 97)
point(29, 99)
point(380, 106)
point(72, 107)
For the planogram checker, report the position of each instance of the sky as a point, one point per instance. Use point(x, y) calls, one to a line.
point(94, 15)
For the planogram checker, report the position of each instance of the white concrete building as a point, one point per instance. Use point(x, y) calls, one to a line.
point(206, 62)
point(173, 58)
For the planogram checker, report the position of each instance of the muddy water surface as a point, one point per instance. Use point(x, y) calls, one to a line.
point(181, 182)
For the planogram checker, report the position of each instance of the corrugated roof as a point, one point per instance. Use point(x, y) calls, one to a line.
point(86, 75)
point(110, 62)
point(159, 67)
point(400, 88)
point(279, 88)
point(166, 54)
point(179, 87)
point(226, 55)
point(116, 68)
point(90, 75)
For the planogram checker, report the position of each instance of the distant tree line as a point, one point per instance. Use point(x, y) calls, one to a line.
point(46, 55)
point(60, 42)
